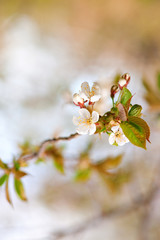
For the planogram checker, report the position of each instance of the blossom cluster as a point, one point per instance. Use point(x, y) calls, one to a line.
point(89, 121)
point(86, 122)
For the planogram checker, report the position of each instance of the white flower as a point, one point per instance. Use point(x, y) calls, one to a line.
point(86, 122)
point(92, 95)
point(117, 136)
point(78, 100)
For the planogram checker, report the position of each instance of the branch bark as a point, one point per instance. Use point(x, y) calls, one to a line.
point(45, 143)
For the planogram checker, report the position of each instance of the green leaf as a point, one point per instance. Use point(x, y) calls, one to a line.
point(40, 160)
point(142, 123)
point(3, 179)
point(158, 80)
point(19, 174)
point(114, 110)
point(135, 133)
point(135, 110)
point(59, 165)
point(116, 181)
point(7, 192)
point(82, 174)
point(3, 165)
point(125, 97)
point(115, 144)
point(122, 112)
point(19, 189)
point(110, 163)
point(103, 130)
point(16, 165)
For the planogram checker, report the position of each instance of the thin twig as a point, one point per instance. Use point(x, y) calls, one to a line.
point(140, 201)
point(44, 144)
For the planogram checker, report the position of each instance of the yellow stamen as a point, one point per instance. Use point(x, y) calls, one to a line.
point(88, 121)
point(118, 134)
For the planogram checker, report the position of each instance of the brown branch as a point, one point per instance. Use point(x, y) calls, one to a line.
point(140, 201)
point(44, 144)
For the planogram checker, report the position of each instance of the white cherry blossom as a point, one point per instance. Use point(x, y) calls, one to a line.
point(78, 101)
point(92, 95)
point(117, 136)
point(86, 122)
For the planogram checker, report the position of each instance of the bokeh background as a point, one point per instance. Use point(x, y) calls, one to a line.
point(47, 49)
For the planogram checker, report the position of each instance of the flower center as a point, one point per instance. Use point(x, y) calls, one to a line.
point(118, 134)
point(92, 93)
point(89, 121)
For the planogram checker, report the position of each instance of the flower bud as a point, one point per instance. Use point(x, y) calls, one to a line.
point(114, 90)
point(123, 82)
point(135, 110)
point(126, 76)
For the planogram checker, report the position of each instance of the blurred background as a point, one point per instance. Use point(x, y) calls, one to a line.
point(47, 49)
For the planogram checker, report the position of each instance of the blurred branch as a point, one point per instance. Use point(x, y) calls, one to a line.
point(34, 152)
point(44, 144)
point(140, 201)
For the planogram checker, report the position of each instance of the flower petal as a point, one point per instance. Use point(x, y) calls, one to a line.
point(122, 140)
point(83, 129)
point(95, 98)
point(84, 113)
point(115, 128)
point(96, 89)
point(77, 120)
point(112, 138)
point(125, 139)
point(95, 116)
point(92, 129)
point(84, 96)
point(77, 99)
point(85, 90)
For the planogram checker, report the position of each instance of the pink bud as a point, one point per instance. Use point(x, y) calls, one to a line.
point(114, 90)
point(126, 76)
point(123, 82)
